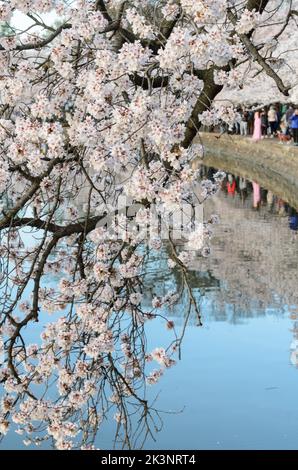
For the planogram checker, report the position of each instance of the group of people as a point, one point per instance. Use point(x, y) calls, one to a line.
point(272, 122)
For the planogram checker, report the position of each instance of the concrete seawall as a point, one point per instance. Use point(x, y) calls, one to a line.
point(271, 164)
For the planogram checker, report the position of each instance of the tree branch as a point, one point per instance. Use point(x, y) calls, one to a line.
point(257, 56)
point(43, 43)
point(209, 92)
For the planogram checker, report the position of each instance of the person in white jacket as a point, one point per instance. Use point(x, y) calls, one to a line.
point(272, 120)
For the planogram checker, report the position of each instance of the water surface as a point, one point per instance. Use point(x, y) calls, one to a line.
point(236, 384)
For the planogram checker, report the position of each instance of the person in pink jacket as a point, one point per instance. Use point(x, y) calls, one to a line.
point(257, 135)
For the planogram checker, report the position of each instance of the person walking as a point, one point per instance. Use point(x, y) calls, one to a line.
point(264, 123)
point(257, 135)
point(244, 123)
point(289, 114)
point(250, 122)
point(294, 126)
point(237, 127)
point(273, 120)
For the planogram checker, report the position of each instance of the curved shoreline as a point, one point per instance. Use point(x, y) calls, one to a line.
point(271, 164)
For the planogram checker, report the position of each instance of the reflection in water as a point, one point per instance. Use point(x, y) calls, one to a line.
point(259, 251)
point(250, 278)
point(255, 256)
point(293, 219)
point(294, 344)
point(254, 260)
point(253, 266)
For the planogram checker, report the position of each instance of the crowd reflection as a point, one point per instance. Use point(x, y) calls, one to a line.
point(250, 193)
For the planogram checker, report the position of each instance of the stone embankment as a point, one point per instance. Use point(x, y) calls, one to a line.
point(271, 164)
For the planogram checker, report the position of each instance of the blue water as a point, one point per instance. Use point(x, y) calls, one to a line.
point(235, 386)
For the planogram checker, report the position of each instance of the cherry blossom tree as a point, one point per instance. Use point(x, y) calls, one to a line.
point(100, 115)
